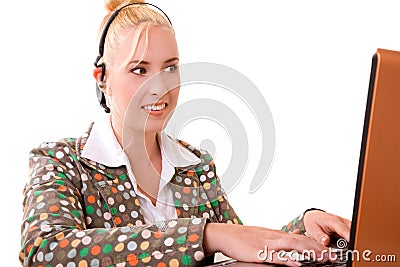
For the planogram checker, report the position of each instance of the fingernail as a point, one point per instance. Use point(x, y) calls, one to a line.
point(323, 240)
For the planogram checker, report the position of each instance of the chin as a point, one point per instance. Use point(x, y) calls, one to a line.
point(154, 126)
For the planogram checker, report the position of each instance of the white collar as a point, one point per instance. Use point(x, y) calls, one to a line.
point(102, 147)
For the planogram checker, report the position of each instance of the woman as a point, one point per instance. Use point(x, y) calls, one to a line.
point(125, 193)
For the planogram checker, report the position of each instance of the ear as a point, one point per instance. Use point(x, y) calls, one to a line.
point(97, 73)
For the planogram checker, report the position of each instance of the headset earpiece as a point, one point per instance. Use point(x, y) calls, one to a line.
point(99, 86)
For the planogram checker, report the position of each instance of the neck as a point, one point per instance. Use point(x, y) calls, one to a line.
point(138, 145)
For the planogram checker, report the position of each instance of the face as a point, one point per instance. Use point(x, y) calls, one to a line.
point(143, 93)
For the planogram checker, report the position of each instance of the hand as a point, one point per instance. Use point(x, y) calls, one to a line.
point(244, 243)
point(321, 226)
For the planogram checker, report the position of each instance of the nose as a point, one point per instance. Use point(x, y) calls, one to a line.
point(156, 85)
point(161, 83)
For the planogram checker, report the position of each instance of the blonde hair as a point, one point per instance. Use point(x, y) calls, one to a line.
point(140, 15)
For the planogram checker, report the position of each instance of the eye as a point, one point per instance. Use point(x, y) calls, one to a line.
point(171, 68)
point(139, 71)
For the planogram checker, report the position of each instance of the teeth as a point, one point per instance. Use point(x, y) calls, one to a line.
point(159, 107)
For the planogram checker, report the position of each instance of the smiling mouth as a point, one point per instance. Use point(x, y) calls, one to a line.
point(155, 107)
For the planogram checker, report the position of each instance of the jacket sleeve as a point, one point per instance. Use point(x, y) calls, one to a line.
point(54, 231)
point(297, 223)
point(217, 198)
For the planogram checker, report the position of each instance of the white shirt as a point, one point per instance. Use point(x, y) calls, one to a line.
point(102, 146)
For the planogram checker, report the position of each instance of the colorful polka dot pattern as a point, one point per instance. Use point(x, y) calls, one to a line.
point(81, 213)
point(296, 224)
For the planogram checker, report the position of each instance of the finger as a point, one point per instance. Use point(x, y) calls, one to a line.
point(348, 225)
point(294, 263)
point(291, 263)
point(317, 233)
point(300, 243)
point(288, 263)
point(292, 257)
point(347, 222)
point(324, 240)
point(343, 229)
point(337, 225)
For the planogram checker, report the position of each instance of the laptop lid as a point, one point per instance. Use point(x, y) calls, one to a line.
point(375, 235)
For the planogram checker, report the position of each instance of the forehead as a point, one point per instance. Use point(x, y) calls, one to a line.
point(153, 44)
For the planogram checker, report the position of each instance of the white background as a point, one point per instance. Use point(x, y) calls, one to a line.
point(310, 59)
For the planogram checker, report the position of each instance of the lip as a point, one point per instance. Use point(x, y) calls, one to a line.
point(155, 112)
point(154, 104)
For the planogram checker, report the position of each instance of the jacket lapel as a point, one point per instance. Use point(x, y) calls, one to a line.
point(119, 203)
point(121, 199)
point(185, 189)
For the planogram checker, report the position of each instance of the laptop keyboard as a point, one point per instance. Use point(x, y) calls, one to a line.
point(311, 263)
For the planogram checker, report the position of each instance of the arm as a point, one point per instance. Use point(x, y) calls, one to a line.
point(259, 244)
point(54, 229)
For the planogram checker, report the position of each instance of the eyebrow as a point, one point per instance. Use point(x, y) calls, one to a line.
point(148, 63)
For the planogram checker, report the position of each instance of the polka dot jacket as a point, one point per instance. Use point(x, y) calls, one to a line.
point(80, 213)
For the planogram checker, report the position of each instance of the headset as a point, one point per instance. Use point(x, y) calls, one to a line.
point(100, 85)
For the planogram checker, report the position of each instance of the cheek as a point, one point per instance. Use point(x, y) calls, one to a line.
point(174, 95)
point(124, 93)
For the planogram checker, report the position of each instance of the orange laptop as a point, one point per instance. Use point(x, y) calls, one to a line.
point(376, 213)
point(375, 230)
